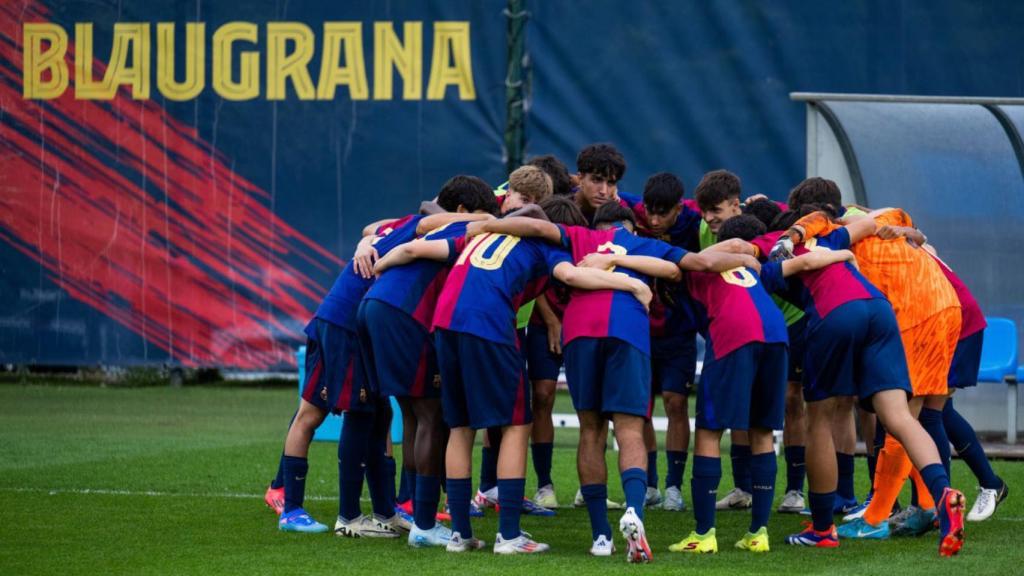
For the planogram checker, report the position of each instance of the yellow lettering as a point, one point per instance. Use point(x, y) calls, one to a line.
point(130, 40)
point(353, 73)
point(282, 66)
point(388, 53)
point(36, 61)
point(248, 85)
point(85, 87)
point(452, 62)
point(740, 277)
point(195, 61)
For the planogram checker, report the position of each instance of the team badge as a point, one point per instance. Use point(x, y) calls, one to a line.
point(362, 394)
point(323, 393)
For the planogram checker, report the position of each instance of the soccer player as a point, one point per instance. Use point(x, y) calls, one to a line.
point(483, 374)
point(397, 312)
point(928, 314)
point(526, 185)
point(560, 180)
point(607, 347)
point(599, 167)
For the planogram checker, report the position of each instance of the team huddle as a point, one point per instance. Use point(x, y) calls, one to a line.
point(813, 315)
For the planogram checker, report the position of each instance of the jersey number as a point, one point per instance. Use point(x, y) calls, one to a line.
point(481, 244)
point(812, 246)
point(740, 276)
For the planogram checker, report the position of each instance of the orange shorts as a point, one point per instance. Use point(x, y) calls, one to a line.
point(929, 347)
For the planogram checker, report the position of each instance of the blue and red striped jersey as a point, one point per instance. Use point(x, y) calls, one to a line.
point(734, 310)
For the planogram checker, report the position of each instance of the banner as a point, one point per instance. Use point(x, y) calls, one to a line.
point(180, 182)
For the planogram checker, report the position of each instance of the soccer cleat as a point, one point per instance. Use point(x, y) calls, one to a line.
point(275, 499)
point(545, 497)
point(814, 539)
point(755, 542)
point(365, 527)
point(523, 544)
point(652, 498)
point(951, 522)
point(913, 521)
point(735, 500)
point(987, 502)
point(488, 499)
point(673, 501)
point(793, 503)
point(697, 543)
point(403, 520)
point(439, 535)
point(579, 502)
point(603, 546)
point(857, 512)
point(299, 520)
point(530, 508)
point(459, 544)
point(405, 506)
point(859, 529)
point(474, 510)
point(632, 528)
point(844, 506)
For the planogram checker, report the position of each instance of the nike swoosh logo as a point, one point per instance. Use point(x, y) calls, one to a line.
point(862, 532)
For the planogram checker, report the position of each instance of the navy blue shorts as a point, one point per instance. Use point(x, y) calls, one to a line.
point(483, 383)
point(609, 376)
point(336, 378)
point(855, 351)
point(966, 361)
point(745, 389)
point(797, 348)
point(540, 361)
point(674, 364)
point(399, 351)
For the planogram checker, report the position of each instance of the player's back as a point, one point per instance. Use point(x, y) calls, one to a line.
point(736, 309)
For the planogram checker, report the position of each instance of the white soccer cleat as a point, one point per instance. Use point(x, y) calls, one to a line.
point(365, 527)
point(603, 546)
point(459, 544)
point(792, 502)
point(632, 528)
point(735, 500)
point(652, 498)
point(439, 535)
point(545, 497)
point(520, 545)
point(673, 501)
point(488, 499)
point(986, 504)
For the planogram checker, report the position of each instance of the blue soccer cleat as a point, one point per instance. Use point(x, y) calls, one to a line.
point(859, 529)
point(814, 539)
point(844, 506)
point(530, 508)
point(299, 520)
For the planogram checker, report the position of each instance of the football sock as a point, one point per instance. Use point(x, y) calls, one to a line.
point(878, 443)
point(919, 493)
point(821, 509)
point(428, 494)
point(740, 456)
point(278, 480)
point(707, 473)
point(459, 493)
point(596, 497)
point(488, 469)
point(380, 478)
point(353, 449)
point(634, 485)
point(391, 467)
point(891, 472)
point(675, 468)
point(795, 468)
point(652, 469)
point(844, 463)
point(295, 470)
point(763, 469)
point(931, 421)
point(510, 498)
point(407, 485)
point(542, 452)
point(965, 440)
point(934, 476)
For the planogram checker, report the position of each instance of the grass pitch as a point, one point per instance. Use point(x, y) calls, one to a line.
point(170, 481)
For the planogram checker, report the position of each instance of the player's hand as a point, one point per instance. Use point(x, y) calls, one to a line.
point(752, 263)
point(555, 337)
point(642, 292)
point(476, 228)
point(599, 261)
point(783, 249)
point(364, 260)
point(888, 232)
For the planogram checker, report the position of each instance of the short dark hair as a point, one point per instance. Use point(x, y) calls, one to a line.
point(662, 192)
point(784, 221)
point(716, 187)
point(745, 227)
point(553, 167)
point(815, 190)
point(470, 192)
point(613, 213)
point(562, 210)
point(601, 160)
point(763, 209)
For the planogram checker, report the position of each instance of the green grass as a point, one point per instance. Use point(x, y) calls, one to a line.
point(170, 481)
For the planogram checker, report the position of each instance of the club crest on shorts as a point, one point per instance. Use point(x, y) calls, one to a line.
point(323, 393)
point(362, 394)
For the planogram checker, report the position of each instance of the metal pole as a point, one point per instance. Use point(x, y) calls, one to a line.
point(515, 85)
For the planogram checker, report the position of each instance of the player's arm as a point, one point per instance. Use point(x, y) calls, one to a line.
point(435, 221)
point(815, 260)
point(371, 228)
point(718, 261)
point(429, 207)
point(522, 227)
point(553, 324)
point(364, 257)
point(594, 279)
point(913, 235)
point(528, 211)
point(733, 246)
point(417, 249)
point(647, 265)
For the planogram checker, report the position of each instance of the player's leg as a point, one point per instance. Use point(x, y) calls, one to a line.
point(629, 433)
point(295, 467)
point(991, 488)
point(739, 497)
point(707, 474)
point(542, 439)
point(793, 440)
point(379, 475)
point(652, 495)
point(407, 481)
point(677, 444)
point(844, 436)
point(822, 476)
point(428, 451)
point(487, 492)
point(274, 496)
point(458, 469)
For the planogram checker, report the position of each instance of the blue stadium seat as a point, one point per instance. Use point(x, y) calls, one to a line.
point(999, 364)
